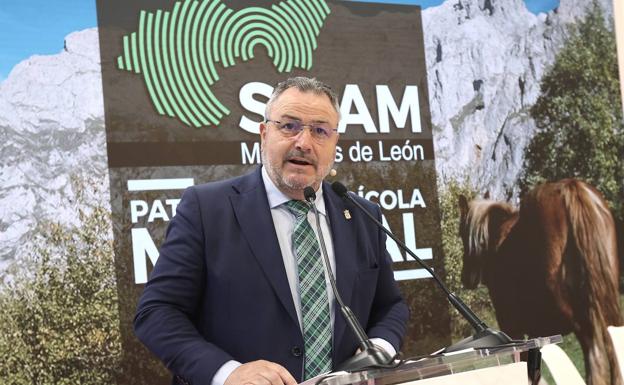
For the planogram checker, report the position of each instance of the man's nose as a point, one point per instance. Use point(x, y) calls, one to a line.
point(304, 139)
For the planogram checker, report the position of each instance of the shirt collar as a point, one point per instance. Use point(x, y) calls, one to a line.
point(278, 198)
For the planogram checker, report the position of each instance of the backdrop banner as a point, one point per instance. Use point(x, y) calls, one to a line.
point(185, 85)
point(490, 132)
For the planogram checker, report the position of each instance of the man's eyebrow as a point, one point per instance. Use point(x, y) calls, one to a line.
point(299, 119)
point(290, 117)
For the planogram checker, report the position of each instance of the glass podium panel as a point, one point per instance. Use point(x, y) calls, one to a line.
point(440, 364)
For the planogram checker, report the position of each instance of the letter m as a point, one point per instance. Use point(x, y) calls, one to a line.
point(409, 106)
point(142, 246)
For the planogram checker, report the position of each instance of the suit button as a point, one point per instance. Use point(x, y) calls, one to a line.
point(296, 351)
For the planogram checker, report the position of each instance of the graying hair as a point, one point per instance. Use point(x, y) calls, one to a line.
point(303, 84)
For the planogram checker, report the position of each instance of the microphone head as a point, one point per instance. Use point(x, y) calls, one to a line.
point(309, 194)
point(339, 189)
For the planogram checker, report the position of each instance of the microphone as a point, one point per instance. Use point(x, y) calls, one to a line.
point(370, 354)
point(485, 337)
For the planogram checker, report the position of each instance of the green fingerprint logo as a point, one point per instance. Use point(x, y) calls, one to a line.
point(177, 51)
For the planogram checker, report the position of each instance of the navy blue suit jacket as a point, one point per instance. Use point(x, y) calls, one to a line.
point(219, 290)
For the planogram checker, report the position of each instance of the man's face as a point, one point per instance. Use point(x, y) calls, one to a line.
point(294, 163)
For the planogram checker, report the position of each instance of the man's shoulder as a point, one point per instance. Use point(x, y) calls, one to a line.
point(371, 206)
point(363, 201)
point(234, 185)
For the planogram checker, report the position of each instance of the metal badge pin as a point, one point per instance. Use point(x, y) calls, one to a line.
point(347, 214)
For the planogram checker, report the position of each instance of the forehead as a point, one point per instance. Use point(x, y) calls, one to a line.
point(305, 106)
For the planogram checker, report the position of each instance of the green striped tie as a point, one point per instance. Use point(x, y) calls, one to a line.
point(317, 336)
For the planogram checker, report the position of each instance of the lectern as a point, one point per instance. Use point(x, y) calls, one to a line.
point(487, 366)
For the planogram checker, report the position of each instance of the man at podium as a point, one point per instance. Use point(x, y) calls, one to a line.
point(240, 293)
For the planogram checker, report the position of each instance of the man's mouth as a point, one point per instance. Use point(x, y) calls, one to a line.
point(300, 162)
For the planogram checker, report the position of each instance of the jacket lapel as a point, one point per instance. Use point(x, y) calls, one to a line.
point(253, 214)
point(251, 207)
point(345, 248)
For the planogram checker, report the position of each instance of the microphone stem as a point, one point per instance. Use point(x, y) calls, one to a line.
point(369, 355)
point(346, 311)
point(461, 307)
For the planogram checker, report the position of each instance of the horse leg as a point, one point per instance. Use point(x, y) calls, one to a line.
point(608, 349)
point(616, 375)
point(601, 366)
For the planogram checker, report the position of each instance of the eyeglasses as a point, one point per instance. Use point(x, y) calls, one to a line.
point(291, 128)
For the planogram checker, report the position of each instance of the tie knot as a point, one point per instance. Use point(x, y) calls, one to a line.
point(298, 208)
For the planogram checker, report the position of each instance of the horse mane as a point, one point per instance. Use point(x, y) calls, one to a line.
point(481, 214)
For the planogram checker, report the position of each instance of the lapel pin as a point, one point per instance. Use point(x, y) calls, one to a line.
point(347, 214)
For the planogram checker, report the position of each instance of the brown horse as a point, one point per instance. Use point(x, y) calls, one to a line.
point(551, 267)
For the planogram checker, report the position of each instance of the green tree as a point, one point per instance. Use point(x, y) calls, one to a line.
point(59, 322)
point(579, 115)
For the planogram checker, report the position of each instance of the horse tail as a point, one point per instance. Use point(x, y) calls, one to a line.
point(593, 235)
